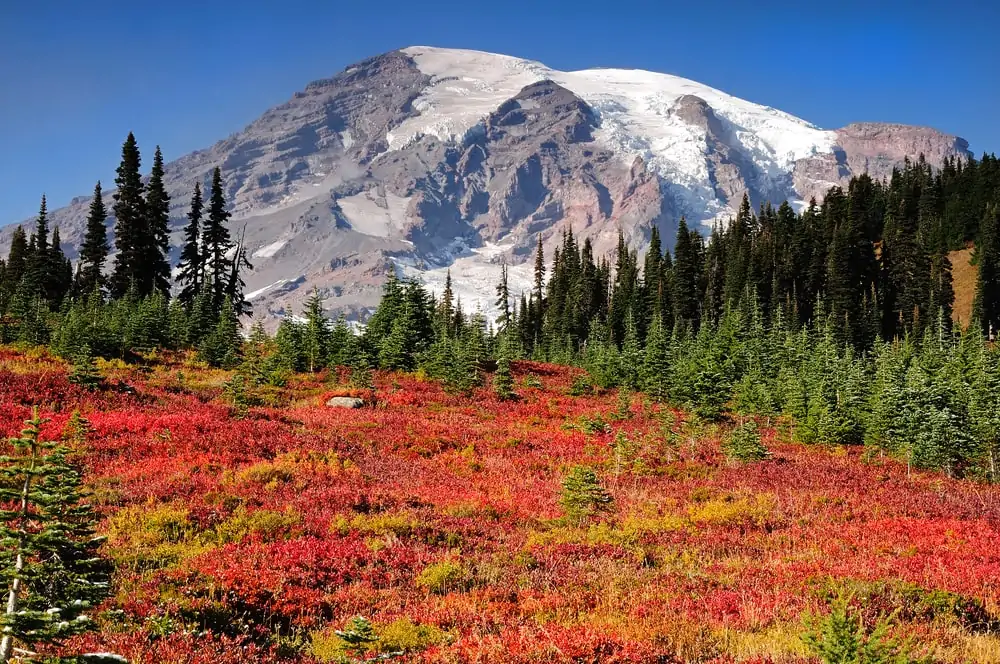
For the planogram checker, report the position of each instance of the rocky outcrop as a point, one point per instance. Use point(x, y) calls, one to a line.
point(345, 402)
point(874, 148)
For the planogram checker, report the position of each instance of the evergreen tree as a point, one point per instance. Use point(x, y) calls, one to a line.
point(290, 347)
point(906, 275)
point(503, 378)
point(131, 227)
point(191, 265)
point(715, 278)
point(737, 253)
point(84, 372)
point(37, 275)
point(94, 252)
point(343, 344)
point(316, 334)
point(50, 564)
point(582, 495)
point(235, 286)
point(60, 272)
point(16, 266)
point(503, 300)
point(632, 360)
point(156, 242)
point(538, 303)
point(656, 360)
point(984, 409)
point(744, 444)
point(445, 312)
point(216, 243)
point(686, 275)
point(652, 274)
point(202, 317)
point(390, 308)
point(987, 259)
point(222, 347)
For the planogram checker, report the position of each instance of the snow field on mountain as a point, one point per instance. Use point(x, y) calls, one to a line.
point(635, 109)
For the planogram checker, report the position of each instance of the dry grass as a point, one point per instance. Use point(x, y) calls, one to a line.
point(963, 276)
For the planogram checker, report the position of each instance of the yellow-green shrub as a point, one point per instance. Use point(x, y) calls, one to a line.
point(629, 532)
point(385, 523)
point(142, 537)
point(404, 635)
point(443, 577)
point(756, 509)
point(287, 467)
point(264, 523)
point(400, 636)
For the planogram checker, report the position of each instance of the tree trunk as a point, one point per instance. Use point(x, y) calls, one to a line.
point(7, 644)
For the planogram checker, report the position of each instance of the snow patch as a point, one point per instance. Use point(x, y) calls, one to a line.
point(269, 250)
point(260, 291)
point(474, 277)
point(370, 214)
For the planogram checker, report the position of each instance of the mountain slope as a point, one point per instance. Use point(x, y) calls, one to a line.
point(428, 159)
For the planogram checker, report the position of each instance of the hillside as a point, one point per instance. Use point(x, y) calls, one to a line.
point(426, 159)
point(254, 538)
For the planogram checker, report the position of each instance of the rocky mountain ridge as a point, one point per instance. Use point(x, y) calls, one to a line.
point(426, 159)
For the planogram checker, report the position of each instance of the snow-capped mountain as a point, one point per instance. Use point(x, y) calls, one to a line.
point(429, 159)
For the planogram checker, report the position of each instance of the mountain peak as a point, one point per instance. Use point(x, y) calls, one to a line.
point(426, 159)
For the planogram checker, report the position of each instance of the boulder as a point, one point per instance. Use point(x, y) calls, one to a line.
point(345, 402)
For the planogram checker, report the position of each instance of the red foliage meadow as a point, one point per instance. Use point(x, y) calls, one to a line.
point(437, 517)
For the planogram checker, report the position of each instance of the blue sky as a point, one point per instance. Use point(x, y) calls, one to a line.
point(76, 77)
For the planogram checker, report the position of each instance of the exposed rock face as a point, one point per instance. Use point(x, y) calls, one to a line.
point(874, 148)
point(423, 160)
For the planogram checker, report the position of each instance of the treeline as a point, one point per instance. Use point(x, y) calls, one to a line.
point(128, 307)
point(871, 262)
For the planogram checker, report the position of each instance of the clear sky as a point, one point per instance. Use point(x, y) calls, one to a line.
point(76, 77)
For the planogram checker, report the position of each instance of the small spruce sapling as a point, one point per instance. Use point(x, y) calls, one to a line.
point(503, 378)
point(843, 638)
point(582, 495)
point(744, 444)
point(84, 372)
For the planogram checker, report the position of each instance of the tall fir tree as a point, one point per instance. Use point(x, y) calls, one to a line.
point(445, 314)
point(37, 275)
point(131, 228)
point(538, 296)
point(686, 275)
point(15, 268)
point(60, 272)
point(316, 335)
point(94, 252)
point(217, 242)
point(191, 266)
point(503, 300)
point(157, 233)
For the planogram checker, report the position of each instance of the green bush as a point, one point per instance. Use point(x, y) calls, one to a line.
point(581, 385)
point(843, 638)
point(744, 444)
point(582, 494)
